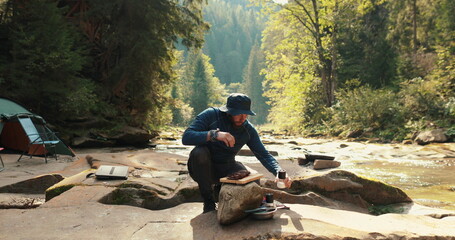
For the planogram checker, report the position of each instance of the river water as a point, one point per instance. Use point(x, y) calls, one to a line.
point(425, 173)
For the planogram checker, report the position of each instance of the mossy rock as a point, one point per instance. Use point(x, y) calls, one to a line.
point(374, 191)
point(55, 191)
point(136, 195)
point(67, 183)
point(384, 209)
point(340, 183)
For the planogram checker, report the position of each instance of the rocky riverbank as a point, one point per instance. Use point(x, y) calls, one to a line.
point(160, 201)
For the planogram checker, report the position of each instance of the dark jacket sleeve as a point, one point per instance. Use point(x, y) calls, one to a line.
point(196, 133)
point(256, 146)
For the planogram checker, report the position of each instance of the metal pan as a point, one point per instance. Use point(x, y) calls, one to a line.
point(264, 215)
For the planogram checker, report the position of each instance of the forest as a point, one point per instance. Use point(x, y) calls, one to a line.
point(383, 68)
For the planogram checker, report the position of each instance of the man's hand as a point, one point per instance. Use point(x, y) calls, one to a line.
point(227, 138)
point(287, 181)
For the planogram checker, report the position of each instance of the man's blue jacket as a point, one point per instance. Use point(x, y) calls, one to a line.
point(212, 119)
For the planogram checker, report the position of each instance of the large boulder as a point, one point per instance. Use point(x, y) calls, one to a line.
point(315, 199)
point(347, 187)
point(133, 136)
point(235, 199)
point(436, 135)
point(126, 136)
point(153, 194)
point(89, 142)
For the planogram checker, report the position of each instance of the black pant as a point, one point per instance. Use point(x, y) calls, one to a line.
point(206, 173)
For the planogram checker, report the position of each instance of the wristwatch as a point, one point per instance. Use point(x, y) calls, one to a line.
point(214, 135)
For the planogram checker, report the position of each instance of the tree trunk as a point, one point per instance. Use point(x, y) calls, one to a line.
point(414, 24)
point(334, 77)
point(324, 70)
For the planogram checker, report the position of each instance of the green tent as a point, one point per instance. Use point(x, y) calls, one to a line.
point(13, 135)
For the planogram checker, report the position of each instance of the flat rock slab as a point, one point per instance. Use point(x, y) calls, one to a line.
point(27, 168)
point(323, 164)
point(145, 159)
point(36, 185)
point(79, 195)
point(98, 221)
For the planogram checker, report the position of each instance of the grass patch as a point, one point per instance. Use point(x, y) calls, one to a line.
point(384, 209)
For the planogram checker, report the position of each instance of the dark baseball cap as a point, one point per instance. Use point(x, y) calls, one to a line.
point(238, 103)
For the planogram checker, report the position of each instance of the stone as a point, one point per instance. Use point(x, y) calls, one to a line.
point(87, 142)
point(406, 141)
point(100, 221)
point(374, 140)
point(323, 164)
point(351, 203)
point(355, 133)
point(133, 136)
point(293, 142)
point(79, 195)
point(436, 135)
point(332, 183)
point(235, 199)
point(303, 161)
point(67, 183)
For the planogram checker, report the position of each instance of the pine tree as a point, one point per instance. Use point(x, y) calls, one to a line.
point(46, 63)
point(199, 100)
point(134, 42)
point(253, 84)
point(199, 86)
point(234, 28)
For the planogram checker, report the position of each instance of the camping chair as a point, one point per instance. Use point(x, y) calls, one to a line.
point(47, 140)
point(3, 165)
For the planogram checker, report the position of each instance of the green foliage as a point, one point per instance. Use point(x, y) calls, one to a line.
point(234, 87)
point(367, 109)
point(365, 53)
point(138, 38)
point(234, 28)
point(451, 133)
point(421, 99)
point(253, 85)
point(298, 72)
point(46, 64)
point(196, 87)
point(381, 44)
point(416, 31)
point(182, 113)
point(113, 60)
point(417, 106)
point(130, 74)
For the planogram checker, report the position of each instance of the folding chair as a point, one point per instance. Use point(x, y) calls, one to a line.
point(42, 138)
point(3, 165)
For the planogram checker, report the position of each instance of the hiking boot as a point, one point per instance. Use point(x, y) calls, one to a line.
point(209, 205)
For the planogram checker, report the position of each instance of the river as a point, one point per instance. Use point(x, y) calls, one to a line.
point(425, 173)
